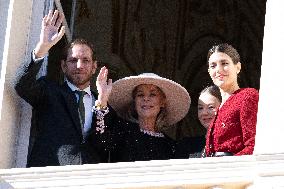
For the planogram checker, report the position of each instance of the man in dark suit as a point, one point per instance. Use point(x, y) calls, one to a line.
point(61, 115)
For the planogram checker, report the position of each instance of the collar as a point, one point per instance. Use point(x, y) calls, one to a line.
point(152, 133)
point(74, 88)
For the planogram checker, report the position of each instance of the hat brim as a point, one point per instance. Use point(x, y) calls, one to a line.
point(177, 98)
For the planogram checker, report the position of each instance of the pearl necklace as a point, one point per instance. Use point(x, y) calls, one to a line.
point(152, 133)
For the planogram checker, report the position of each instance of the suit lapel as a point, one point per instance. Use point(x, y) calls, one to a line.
point(72, 107)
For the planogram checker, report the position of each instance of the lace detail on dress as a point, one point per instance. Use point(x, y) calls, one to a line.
point(152, 133)
point(100, 114)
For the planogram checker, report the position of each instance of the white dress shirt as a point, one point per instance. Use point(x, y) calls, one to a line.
point(88, 103)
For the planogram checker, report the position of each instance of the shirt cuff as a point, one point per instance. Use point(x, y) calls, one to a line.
point(36, 60)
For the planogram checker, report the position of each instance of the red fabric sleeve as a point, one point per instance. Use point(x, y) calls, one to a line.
point(248, 118)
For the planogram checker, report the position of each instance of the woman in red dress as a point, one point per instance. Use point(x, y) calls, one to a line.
point(233, 130)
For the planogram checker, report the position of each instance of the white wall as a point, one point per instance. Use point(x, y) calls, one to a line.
point(270, 126)
point(16, 21)
point(3, 23)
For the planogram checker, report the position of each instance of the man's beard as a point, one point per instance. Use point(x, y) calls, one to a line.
point(78, 81)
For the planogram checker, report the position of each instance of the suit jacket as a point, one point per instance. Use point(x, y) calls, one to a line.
point(234, 127)
point(58, 139)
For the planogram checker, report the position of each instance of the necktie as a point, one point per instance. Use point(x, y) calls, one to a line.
point(81, 107)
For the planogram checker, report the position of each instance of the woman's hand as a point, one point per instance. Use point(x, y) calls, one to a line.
point(104, 86)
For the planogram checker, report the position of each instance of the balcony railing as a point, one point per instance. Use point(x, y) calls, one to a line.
point(253, 172)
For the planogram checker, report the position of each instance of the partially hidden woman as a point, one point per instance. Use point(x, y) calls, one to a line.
point(233, 130)
point(133, 112)
point(208, 103)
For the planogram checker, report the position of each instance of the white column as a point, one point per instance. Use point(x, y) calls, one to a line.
point(39, 8)
point(270, 126)
point(17, 17)
point(4, 5)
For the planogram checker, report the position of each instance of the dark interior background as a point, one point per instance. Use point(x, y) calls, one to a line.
point(170, 38)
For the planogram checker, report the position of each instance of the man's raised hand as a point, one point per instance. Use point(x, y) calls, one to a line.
point(50, 33)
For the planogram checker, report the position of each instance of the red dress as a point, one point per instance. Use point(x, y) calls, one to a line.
point(234, 127)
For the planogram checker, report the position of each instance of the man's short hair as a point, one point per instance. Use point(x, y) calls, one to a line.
point(79, 41)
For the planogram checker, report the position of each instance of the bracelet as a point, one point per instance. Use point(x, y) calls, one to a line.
point(100, 114)
point(99, 106)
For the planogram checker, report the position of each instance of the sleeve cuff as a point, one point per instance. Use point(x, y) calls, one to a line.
point(100, 114)
point(36, 60)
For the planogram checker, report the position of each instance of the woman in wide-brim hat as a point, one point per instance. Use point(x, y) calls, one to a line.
point(144, 105)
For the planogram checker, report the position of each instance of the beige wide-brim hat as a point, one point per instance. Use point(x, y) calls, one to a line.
point(177, 98)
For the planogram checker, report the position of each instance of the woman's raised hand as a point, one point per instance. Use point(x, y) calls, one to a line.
point(104, 86)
